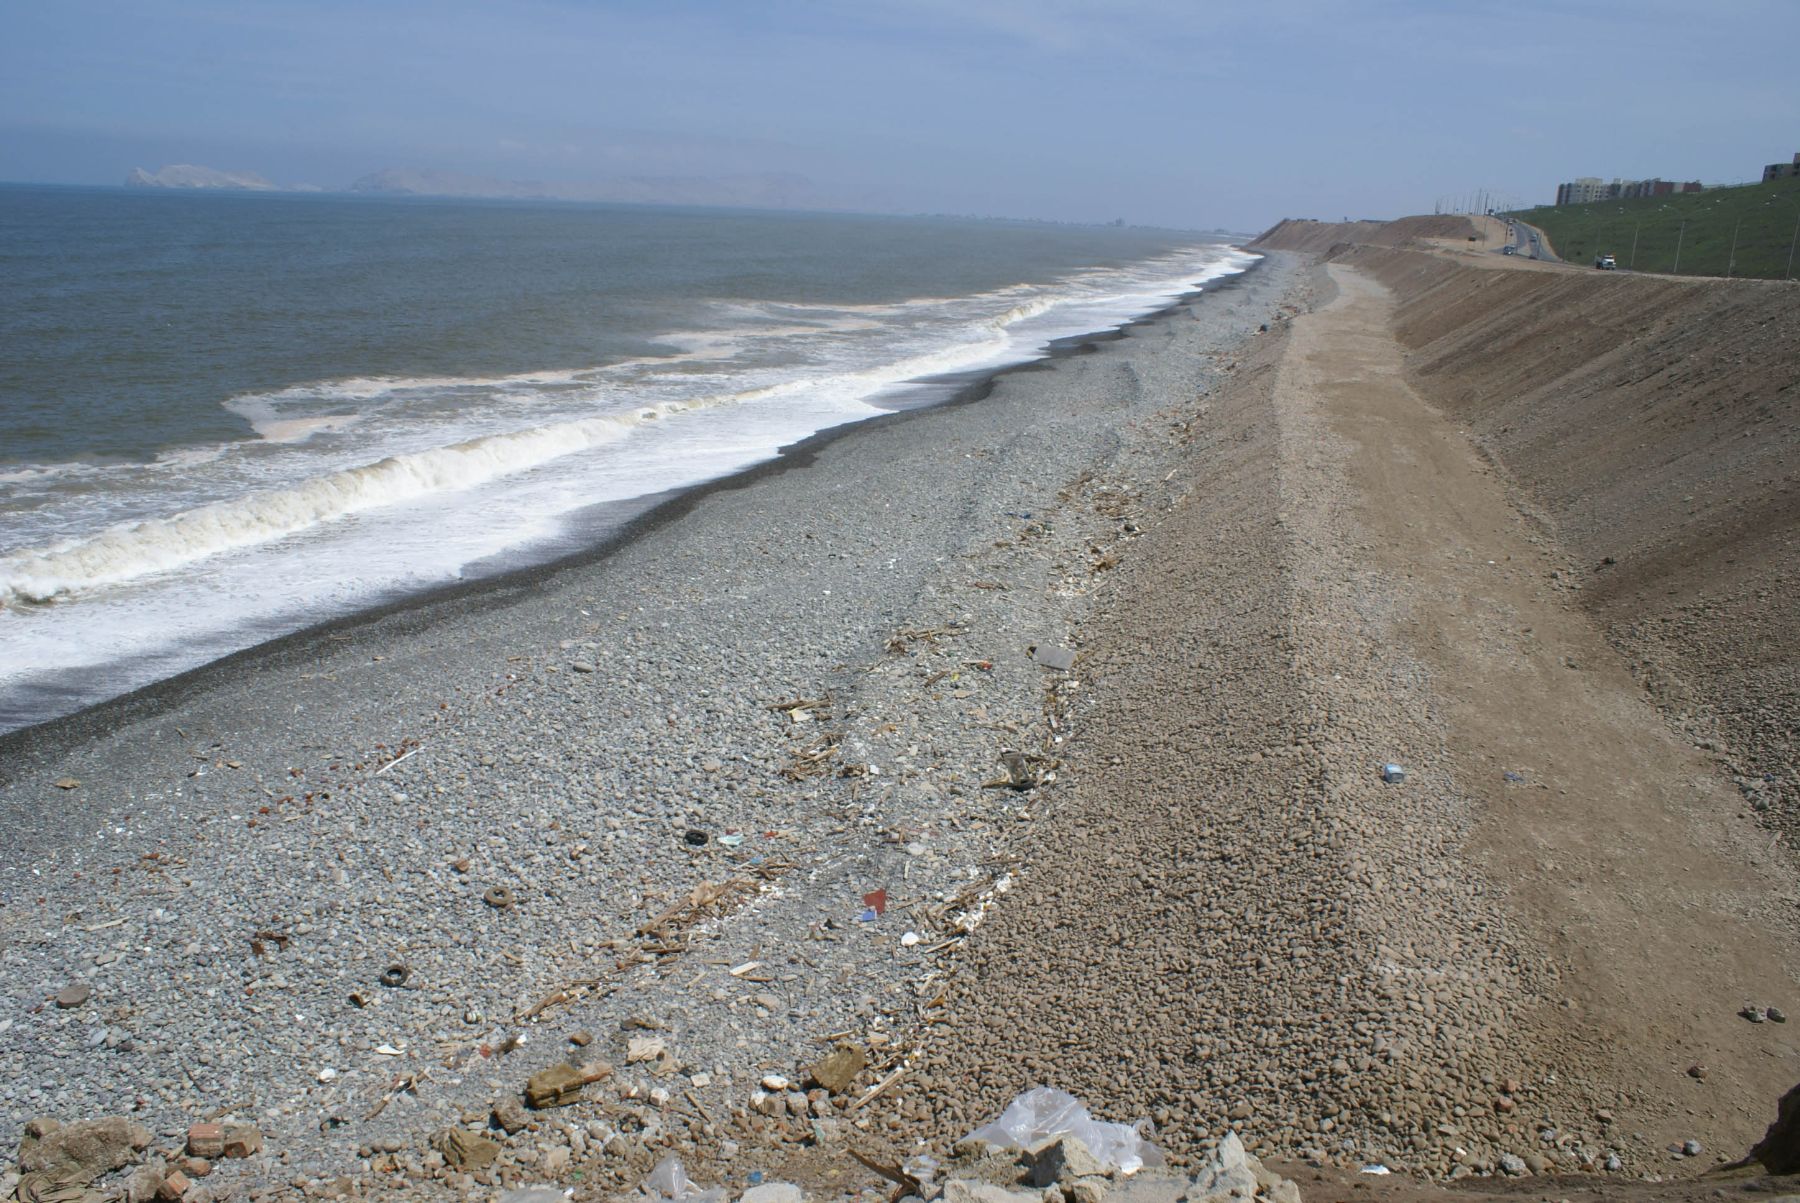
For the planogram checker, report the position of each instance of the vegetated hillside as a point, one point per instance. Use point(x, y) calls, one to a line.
point(1654, 423)
point(1646, 234)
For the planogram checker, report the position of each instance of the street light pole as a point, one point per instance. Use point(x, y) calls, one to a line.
point(1782, 200)
point(1632, 265)
point(1731, 263)
point(1679, 235)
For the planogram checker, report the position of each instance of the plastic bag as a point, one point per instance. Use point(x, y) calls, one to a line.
point(1042, 1112)
point(668, 1181)
point(537, 1194)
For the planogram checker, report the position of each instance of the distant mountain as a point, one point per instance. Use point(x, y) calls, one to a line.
point(766, 191)
point(186, 175)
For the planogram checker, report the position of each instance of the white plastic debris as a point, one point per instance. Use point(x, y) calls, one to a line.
point(1393, 774)
point(537, 1194)
point(668, 1181)
point(1043, 1112)
point(1376, 1169)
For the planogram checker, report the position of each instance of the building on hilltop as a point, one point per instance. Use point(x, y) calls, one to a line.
point(1782, 171)
point(1583, 191)
point(1587, 189)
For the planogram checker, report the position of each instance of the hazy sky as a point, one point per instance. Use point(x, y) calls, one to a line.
point(1181, 112)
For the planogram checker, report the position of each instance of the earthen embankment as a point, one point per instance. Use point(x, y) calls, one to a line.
point(1652, 423)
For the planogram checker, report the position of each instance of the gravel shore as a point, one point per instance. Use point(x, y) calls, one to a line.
point(721, 790)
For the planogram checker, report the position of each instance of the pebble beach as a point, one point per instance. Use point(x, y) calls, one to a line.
point(700, 806)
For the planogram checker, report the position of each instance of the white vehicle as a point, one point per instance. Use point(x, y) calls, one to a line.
point(1606, 263)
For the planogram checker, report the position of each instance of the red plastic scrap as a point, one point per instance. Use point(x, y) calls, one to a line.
point(876, 901)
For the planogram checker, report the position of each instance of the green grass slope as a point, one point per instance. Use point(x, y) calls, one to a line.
point(1646, 234)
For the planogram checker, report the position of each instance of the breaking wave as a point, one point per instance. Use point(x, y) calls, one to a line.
point(135, 549)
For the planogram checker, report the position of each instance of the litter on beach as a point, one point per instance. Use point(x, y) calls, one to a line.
point(1393, 774)
point(1043, 1112)
point(1054, 657)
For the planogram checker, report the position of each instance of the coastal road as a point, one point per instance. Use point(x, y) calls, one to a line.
point(1529, 242)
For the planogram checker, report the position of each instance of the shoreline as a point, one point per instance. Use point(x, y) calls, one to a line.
point(60, 733)
point(360, 788)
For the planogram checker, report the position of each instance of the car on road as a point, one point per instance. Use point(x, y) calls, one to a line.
point(1509, 249)
point(1606, 263)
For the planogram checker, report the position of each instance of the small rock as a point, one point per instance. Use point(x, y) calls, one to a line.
point(1086, 1190)
point(243, 1140)
point(1537, 1163)
point(1513, 1165)
point(776, 1084)
point(1691, 1148)
point(582, 666)
point(556, 1161)
point(1231, 1170)
point(509, 1116)
point(960, 1190)
point(838, 1068)
point(581, 1039)
point(773, 1192)
point(1613, 1163)
point(174, 1185)
point(1062, 1159)
point(1752, 1013)
point(557, 1086)
point(206, 1140)
point(1697, 1072)
point(465, 1150)
point(66, 783)
point(196, 1167)
point(1775, 1014)
point(142, 1186)
point(73, 995)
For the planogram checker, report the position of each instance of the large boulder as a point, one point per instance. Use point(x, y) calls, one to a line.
point(82, 1151)
point(1779, 1149)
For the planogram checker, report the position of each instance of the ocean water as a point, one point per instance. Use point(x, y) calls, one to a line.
point(226, 418)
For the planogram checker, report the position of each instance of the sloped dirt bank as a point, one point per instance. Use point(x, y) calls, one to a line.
point(1654, 426)
point(1526, 957)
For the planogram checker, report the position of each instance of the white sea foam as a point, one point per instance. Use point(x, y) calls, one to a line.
point(136, 549)
point(211, 548)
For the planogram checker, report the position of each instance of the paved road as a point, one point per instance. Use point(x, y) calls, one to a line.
point(1527, 241)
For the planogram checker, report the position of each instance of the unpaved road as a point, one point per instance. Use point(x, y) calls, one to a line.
point(1228, 918)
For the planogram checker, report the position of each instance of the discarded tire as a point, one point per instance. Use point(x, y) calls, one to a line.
point(395, 975)
point(498, 897)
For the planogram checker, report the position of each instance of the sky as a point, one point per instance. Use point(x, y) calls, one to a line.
point(1185, 113)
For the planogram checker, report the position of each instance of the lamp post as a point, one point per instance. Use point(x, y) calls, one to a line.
point(1731, 261)
point(1785, 200)
point(1679, 236)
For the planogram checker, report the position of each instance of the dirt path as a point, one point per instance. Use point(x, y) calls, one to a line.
point(1620, 851)
point(1226, 918)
